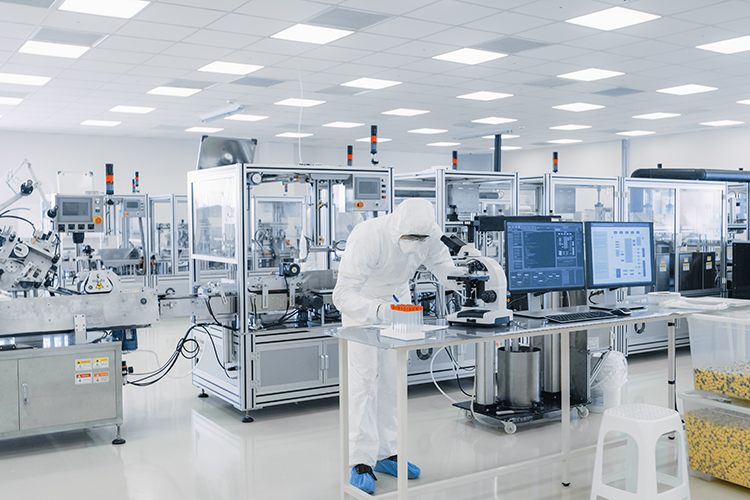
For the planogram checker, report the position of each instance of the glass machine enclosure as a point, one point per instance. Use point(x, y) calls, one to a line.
point(458, 197)
point(277, 235)
point(738, 227)
point(690, 233)
point(170, 250)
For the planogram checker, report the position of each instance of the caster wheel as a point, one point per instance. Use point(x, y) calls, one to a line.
point(583, 412)
point(510, 427)
point(469, 416)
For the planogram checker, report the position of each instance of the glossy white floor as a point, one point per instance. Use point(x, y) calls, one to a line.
point(182, 447)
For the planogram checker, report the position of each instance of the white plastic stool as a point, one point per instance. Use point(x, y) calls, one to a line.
point(644, 424)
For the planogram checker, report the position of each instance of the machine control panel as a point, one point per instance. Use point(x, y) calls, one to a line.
point(79, 214)
point(368, 193)
point(134, 208)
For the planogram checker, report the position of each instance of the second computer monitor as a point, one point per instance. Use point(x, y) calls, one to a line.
point(619, 254)
point(544, 256)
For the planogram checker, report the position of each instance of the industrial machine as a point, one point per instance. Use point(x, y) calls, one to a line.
point(61, 341)
point(276, 234)
point(169, 245)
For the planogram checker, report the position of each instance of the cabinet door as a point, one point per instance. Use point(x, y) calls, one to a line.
point(67, 389)
point(286, 366)
point(8, 396)
point(331, 353)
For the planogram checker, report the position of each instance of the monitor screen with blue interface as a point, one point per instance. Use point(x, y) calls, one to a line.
point(620, 254)
point(544, 256)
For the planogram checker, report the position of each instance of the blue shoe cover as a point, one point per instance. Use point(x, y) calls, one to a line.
point(390, 466)
point(363, 478)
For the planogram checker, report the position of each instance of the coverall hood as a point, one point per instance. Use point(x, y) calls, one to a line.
point(413, 216)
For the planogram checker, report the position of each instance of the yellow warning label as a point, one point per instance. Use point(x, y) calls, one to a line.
point(663, 266)
point(709, 265)
point(83, 365)
point(686, 267)
point(83, 378)
point(101, 363)
point(99, 285)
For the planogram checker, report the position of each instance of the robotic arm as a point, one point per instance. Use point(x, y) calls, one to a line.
point(26, 188)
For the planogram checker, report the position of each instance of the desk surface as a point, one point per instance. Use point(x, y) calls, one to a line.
point(519, 327)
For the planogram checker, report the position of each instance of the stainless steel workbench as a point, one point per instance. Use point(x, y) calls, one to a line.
point(457, 335)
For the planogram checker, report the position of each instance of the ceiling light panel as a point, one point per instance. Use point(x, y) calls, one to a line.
point(53, 49)
point(137, 110)
point(371, 83)
point(123, 9)
point(228, 68)
point(494, 120)
point(300, 103)
point(590, 74)
point(636, 133)
point(509, 148)
point(570, 127)
point(613, 19)
point(578, 107)
point(746, 101)
point(469, 56)
point(656, 116)
point(565, 141)
point(722, 123)
point(343, 124)
point(404, 112)
point(10, 101)
point(311, 34)
point(732, 46)
point(246, 118)
point(444, 144)
point(36, 81)
point(100, 123)
point(687, 89)
point(204, 130)
point(427, 131)
point(484, 96)
point(380, 139)
point(293, 135)
point(173, 91)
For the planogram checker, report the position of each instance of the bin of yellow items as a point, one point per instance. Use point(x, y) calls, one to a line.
point(718, 436)
point(720, 351)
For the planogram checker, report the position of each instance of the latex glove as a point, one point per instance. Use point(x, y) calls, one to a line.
point(385, 313)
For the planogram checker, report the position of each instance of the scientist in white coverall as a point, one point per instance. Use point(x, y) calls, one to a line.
point(381, 256)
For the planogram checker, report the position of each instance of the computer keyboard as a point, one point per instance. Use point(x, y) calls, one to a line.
point(581, 316)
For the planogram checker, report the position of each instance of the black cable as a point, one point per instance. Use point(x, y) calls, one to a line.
point(106, 334)
point(19, 218)
point(594, 294)
point(218, 323)
point(181, 349)
point(456, 364)
point(458, 379)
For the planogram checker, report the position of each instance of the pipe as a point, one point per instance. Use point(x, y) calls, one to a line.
point(693, 174)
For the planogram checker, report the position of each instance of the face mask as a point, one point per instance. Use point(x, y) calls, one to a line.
point(410, 247)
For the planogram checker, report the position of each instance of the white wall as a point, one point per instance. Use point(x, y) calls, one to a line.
point(717, 149)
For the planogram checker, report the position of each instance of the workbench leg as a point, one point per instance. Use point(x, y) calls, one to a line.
point(401, 400)
point(672, 375)
point(344, 413)
point(565, 404)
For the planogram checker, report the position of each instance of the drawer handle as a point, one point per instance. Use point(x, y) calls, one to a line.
point(25, 392)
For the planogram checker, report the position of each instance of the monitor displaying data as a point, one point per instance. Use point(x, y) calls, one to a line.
point(620, 254)
point(544, 256)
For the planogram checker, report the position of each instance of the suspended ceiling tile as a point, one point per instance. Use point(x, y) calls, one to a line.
point(286, 10)
point(122, 56)
point(282, 47)
point(385, 60)
point(134, 44)
point(508, 23)
point(10, 44)
point(238, 23)
point(395, 7)
point(176, 62)
point(717, 13)
point(347, 19)
point(403, 27)
point(155, 31)
point(35, 60)
point(558, 10)
point(222, 5)
point(338, 54)
point(16, 30)
point(699, 36)
point(604, 40)
point(157, 72)
point(221, 39)
point(16, 13)
point(178, 15)
point(197, 51)
point(457, 13)
point(422, 49)
point(645, 48)
point(308, 64)
point(369, 42)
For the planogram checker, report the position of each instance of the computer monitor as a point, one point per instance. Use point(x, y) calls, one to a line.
point(620, 254)
point(544, 256)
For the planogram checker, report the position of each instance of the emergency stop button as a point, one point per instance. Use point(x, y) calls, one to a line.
point(359, 204)
point(98, 219)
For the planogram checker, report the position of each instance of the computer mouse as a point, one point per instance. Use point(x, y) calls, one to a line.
point(621, 311)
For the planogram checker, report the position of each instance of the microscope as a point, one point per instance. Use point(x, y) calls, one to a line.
point(485, 287)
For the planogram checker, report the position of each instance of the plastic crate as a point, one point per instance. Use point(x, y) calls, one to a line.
point(720, 350)
point(718, 435)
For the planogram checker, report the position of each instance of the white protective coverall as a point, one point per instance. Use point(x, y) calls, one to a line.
point(377, 265)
